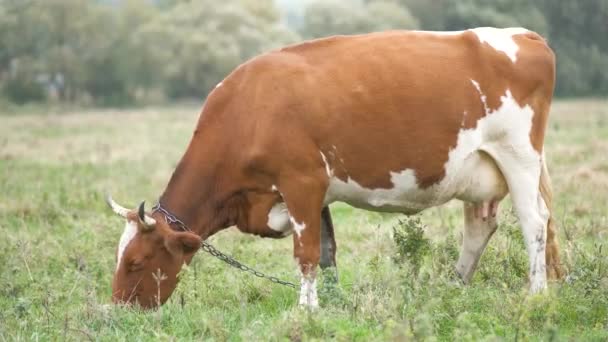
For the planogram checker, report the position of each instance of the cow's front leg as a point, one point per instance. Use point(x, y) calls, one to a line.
point(305, 215)
point(306, 246)
point(308, 285)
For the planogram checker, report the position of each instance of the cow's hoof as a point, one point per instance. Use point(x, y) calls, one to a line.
point(457, 278)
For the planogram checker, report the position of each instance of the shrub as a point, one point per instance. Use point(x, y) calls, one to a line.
point(412, 246)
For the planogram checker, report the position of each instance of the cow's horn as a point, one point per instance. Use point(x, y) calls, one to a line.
point(145, 220)
point(117, 208)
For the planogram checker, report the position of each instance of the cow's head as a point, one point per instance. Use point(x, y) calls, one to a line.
point(149, 256)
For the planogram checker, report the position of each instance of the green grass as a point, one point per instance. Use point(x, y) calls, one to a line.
point(57, 248)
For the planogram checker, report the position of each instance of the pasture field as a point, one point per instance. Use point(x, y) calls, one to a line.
point(58, 243)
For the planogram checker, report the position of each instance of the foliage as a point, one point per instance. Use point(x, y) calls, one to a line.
point(412, 246)
point(324, 18)
point(114, 52)
point(57, 46)
point(577, 32)
point(196, 44)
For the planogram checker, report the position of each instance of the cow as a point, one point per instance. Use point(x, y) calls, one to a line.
point(395, 121)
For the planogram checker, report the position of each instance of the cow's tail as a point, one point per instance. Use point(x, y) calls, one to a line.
point(554, 267)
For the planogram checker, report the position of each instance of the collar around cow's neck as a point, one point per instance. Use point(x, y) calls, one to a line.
point(170, 218)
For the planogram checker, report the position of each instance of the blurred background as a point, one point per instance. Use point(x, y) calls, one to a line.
point(135, 52)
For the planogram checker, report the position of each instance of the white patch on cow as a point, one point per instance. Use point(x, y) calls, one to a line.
point(278, 219)
point(297, 227)
point(509, 125)
point(500, 39)
point(327, 168)
point(274, 188)
point(308, 292)
point(127, 235)
point(389, 199)
point(483, 97)
point(464, 117)
point(219, 85)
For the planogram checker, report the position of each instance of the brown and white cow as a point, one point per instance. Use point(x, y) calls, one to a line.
point(395, 121)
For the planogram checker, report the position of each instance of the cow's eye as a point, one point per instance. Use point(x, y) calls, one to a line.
point(135, 266)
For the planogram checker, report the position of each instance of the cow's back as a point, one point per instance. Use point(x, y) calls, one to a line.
point(387, 108)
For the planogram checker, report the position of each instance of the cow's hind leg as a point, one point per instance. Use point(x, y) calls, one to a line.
point(479, 226)
point(521, 167)
point(328, 246)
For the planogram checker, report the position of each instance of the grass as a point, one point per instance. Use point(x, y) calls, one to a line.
point(57, 250)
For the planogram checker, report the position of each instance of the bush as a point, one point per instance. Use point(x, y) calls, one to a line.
point(412, 246)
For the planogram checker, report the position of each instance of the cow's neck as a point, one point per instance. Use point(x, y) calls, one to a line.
point(194, 191)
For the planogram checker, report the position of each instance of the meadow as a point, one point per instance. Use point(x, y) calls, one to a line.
point(58, 243)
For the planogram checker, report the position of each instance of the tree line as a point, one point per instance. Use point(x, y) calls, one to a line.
point(116, 52)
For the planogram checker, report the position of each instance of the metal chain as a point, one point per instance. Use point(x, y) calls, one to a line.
point(234, 263)
point(207, 247)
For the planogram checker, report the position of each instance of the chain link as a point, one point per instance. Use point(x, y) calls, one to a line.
point(207, 247)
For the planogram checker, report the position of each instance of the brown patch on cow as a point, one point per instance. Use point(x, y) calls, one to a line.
point(391, 144)
point(535, 72)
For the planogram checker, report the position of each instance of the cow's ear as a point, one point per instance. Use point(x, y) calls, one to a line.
point(179, 243)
